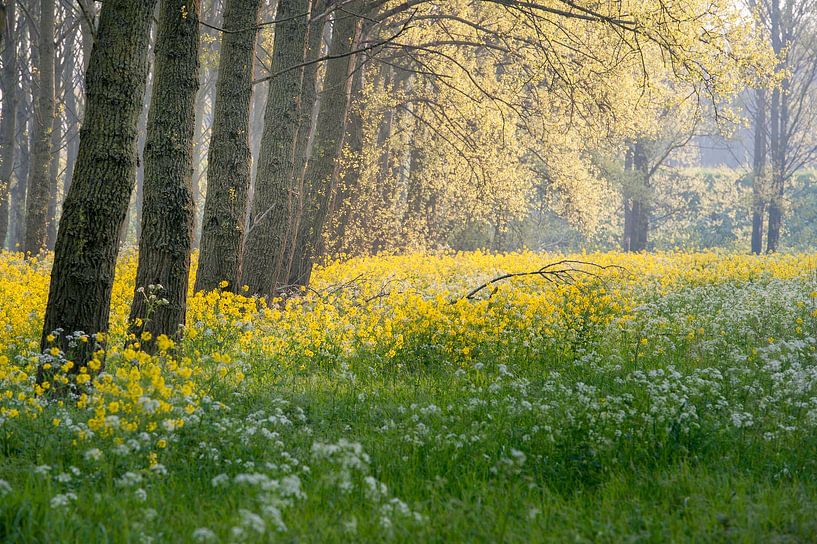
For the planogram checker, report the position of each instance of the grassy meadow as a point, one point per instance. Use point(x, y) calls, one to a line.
point(667, 397)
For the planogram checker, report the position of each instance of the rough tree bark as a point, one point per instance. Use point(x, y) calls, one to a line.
point(307, 117)
point(82, 276)
point(39, 183)
point(228, 164)
point(8, 116)
point(266, 233)
point(167, 213)
point(328, 142)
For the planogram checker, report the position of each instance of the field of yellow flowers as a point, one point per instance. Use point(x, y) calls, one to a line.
point(651, 398)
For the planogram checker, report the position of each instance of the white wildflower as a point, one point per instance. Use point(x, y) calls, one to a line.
point(252, 521)
point(220, 480)
point(94, 454)
point(204, 535)
point(62, 500)
point(128, 479)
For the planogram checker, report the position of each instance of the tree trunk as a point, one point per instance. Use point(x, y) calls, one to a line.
point(348, 186)
point(775, 139)
point(499, 240)
point(628, 224)
point(774, 145)
point(79, 297)
point(74, 105)
point(416, 222)
point(228, 165)
point(17, 219)
point(134, 216)
point(329, 132)
point(641, 224)
point(758, 172)
point(53, 189)
point(205, 99)
point(199, 148)
point(167, 213)
point(779, 171)
point(25, 124)
point(636, 205)
point(8, 117)
point(39, 183)
point(73, 119)
point(3, 17)
point(198, 153)
point(387, 175)
point(267, 10)
point(307, 117)
point(264, 246)
point(627, 237)
point(87, 30)
point(62, 87)
point(135, 210)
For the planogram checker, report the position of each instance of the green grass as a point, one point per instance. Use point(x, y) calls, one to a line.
point(711, 439)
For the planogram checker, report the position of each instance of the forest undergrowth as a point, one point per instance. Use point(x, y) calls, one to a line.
point(666, 397)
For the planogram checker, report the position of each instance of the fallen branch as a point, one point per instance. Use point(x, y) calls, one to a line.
point(550, 272)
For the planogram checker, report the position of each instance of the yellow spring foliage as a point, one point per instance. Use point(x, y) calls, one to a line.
point(455, 135)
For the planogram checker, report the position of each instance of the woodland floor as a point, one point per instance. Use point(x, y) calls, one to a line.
point(675, 404)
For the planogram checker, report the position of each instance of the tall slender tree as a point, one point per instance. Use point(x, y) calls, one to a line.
point(788, 126)
point(74, 103)
point(318, 33)
point(229, 158)
point(134, 216)
point(167, 214)
point(263, 252)
point(777, 131)
point(22, 161)
point(39, 184)
point(8, 115)
point(759, 171)
point(79, 296)
point(636, 199)
point(328, 141)
point(53, 181)
point(204, 101)
point(348, 183)
point(2, 20)
point(263, 55)
point(67, 28)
